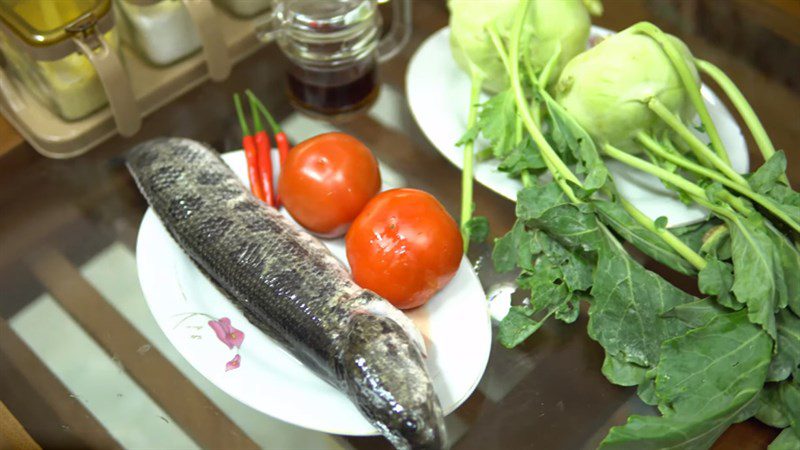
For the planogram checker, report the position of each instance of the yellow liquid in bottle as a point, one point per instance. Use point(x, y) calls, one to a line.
point(46, 15)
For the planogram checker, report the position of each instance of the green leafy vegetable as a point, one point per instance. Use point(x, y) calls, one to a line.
point(477, 228)
point(623, 373)
point(517, 326)
point(523, 157)
point(612, 214)
point(704, 363)
point(790, 398)
point(697, 313)
point(625, 313)
point(579, 143)
point(787, 440)
point(717, 279)
point(513, 249)
point(706, 379)
point(754, 270)
point(770, 410)
point(767, 175)
point(496, 122)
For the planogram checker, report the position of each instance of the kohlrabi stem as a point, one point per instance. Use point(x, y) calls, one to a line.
point(676, 180)
point(498, 46)
point(469, 156)
point(670, 239)
point(544, 76)
point(536, 107)
point(745, 110)
point(689, 83)
point(698, 147)
point(561, 173)
point(681, 161)
point(720, 211)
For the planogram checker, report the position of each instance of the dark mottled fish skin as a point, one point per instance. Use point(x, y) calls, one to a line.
point(289, 286)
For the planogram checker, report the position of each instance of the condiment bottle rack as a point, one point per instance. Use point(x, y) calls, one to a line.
point(152, 86)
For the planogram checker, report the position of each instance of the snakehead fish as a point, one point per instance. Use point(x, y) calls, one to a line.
point(289, 286)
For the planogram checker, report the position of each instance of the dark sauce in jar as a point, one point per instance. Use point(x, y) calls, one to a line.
point(333, 93)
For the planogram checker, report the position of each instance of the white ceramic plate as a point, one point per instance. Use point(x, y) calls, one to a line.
point(455, 322)
point(438, 94)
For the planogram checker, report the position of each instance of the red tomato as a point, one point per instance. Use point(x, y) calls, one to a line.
point(326, 181)
point(404, 246)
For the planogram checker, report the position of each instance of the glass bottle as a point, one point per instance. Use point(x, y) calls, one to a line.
point(334, 47)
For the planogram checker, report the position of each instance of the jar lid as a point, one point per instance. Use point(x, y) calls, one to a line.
point(314, 20)
point(44, 23)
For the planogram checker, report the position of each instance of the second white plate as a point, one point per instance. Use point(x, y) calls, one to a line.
point(438, 94)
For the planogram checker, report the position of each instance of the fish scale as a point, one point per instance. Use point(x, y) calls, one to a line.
point(289, 286)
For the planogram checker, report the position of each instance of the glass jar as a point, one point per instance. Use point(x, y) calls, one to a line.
point(161, 31)
point(65, 53)
point(334, 47)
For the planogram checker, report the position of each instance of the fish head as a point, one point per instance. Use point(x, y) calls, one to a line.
point(384, 373)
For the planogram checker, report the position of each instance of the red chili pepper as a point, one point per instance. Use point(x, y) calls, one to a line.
point(249, 145)
point(280, 137)
point(264, 150)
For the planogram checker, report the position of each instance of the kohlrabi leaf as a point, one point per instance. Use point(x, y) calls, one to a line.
point(647, 392)
point(524, 156)
point(696, 314)
point(790, 398)
point(513, 249)
point(707, 379)
point(787, 200)
point(547, 208)
point(711, 365)
point(628, 300)
point(767, 175)
point(692, 235)
point(546, 293)
point(590, 164)
point(612, 214)
point(623, 373)
point(516, 326)
point(716, 243)
point(770, 410)
point(787, 440)
point(787, 258)
point(477, 228)
point(754, 270)
point(716, 279)
point(766, 181)
point(497, 120)
point(787, 359)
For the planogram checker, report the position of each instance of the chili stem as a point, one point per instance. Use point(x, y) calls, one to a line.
point(276, 129)
point(240, 114)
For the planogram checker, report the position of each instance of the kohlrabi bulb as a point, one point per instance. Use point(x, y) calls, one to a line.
point(549, 23)
point(606, 88)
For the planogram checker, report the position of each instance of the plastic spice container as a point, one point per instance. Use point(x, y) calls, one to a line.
point(161, 31)
point(245, 8)
point(65, 53)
